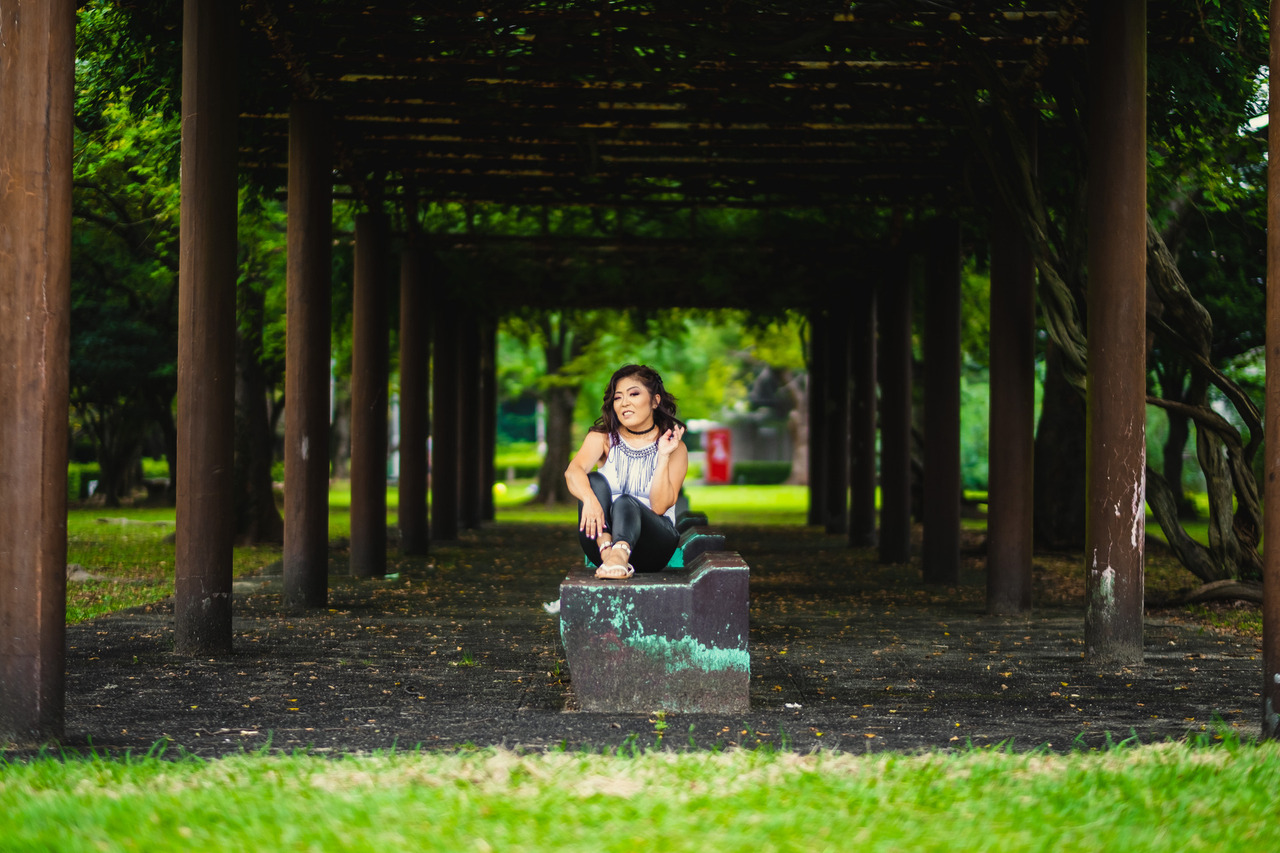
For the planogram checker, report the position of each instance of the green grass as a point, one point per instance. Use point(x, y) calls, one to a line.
point(1240, 620)
point(125, 550)
point(783, 505)
point(1166, 797)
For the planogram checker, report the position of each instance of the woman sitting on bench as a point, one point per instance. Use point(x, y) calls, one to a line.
point(626, 509)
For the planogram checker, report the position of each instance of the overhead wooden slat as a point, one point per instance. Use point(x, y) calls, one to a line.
point(732, 102)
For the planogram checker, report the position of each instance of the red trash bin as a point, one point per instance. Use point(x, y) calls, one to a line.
point(719, 445)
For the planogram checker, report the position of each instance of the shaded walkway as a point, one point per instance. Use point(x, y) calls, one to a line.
point(458, 650)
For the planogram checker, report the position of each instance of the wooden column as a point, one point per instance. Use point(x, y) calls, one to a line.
point(444, 425)
point(369, 320)
point(415, 377)
point(894, 372)
point(817, 417)
point(1271, 503)
point(1116, 389)
point(306, 387)
point(470, 426)
point(489, 415)
point(942, 405)
point(206, 330)
point(862, 468)
point(36, 95)
point(1011, 440)
point(836, 470)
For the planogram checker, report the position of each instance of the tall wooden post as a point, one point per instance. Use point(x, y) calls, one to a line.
point(369, 319)
point(818, 463)
point(306, 387)
point(415, 374)
point(862, 468)
point(1116, 389)
point(836, 467)
point(469, 435)
point(942, 406)
point(894, 371)
point(1010, 534)
point(1271, 505)
point(206, 330)
point(36, 95)
point(489, 413)
point(444, 426)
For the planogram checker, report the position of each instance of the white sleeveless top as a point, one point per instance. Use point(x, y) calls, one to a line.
point(630, 472)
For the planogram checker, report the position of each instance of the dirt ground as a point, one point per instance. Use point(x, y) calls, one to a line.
point(456, 649)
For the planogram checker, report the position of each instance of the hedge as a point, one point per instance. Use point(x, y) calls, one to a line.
point(753, 473)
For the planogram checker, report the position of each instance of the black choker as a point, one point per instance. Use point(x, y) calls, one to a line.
point(646, 432)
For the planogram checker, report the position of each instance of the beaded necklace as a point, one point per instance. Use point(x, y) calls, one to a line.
point(635, 467)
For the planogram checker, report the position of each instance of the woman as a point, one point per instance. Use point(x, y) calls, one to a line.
point(626, 510)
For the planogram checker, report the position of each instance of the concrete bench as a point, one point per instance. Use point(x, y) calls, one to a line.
point(674, 640)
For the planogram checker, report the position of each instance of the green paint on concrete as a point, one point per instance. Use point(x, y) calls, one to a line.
point(688, 653)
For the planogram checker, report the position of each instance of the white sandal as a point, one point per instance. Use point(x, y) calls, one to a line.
point(616, 571)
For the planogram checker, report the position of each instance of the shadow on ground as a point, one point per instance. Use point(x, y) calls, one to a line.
point(456, 649)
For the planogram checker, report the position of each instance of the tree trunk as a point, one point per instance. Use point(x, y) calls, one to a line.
point(162, 414)
point(118, 434)
point(798, 428)
point(1060, 501)
point(552, 488)
point(562, 347)
point(1171, 373)
point(257, 517)
point(1175, 444)
point(340, 431)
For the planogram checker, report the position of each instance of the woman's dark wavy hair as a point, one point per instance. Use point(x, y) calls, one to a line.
point(664, 415)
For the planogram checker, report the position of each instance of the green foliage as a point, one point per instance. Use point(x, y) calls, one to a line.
point(707, 359)
point(523, 459)
point(124, 256)
point(758, 473)
point(975, 430)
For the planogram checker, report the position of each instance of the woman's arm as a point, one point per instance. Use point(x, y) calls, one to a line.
point(588, 456)
point(668, 477)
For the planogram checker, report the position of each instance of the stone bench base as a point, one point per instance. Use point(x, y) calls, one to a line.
point(674, 640)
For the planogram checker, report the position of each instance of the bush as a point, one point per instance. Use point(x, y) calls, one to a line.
point(522, 459)
point(78, 476)
point(760, 473)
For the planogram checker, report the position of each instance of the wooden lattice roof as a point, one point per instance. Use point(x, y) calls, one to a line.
point(738, 102)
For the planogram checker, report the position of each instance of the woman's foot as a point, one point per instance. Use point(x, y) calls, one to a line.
point(614, 565)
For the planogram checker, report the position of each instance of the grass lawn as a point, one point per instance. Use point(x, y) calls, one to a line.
point(1220, 790)
point(1156, 798)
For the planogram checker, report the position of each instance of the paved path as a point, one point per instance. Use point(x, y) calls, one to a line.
point(457, 650)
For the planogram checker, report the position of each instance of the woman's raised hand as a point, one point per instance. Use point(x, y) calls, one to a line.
point(670, 440)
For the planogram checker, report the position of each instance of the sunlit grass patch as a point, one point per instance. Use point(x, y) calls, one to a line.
point(726, 801)
point(128, 556)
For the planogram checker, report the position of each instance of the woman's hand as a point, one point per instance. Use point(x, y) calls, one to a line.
point(670, 441)
point(592, 521)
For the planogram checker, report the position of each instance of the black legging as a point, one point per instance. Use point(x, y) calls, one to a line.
point(652, 537)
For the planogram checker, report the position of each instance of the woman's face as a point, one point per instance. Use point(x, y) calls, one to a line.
point(633, 404)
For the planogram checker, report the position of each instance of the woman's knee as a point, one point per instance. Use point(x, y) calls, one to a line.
point(600, 487)
point(627, 510)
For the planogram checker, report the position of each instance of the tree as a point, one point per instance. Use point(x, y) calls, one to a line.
point(259, 368)
point(1200, 100)
point(124, 260)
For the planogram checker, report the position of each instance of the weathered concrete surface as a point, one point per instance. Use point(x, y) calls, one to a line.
point(672, 641)
point(846, 654)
